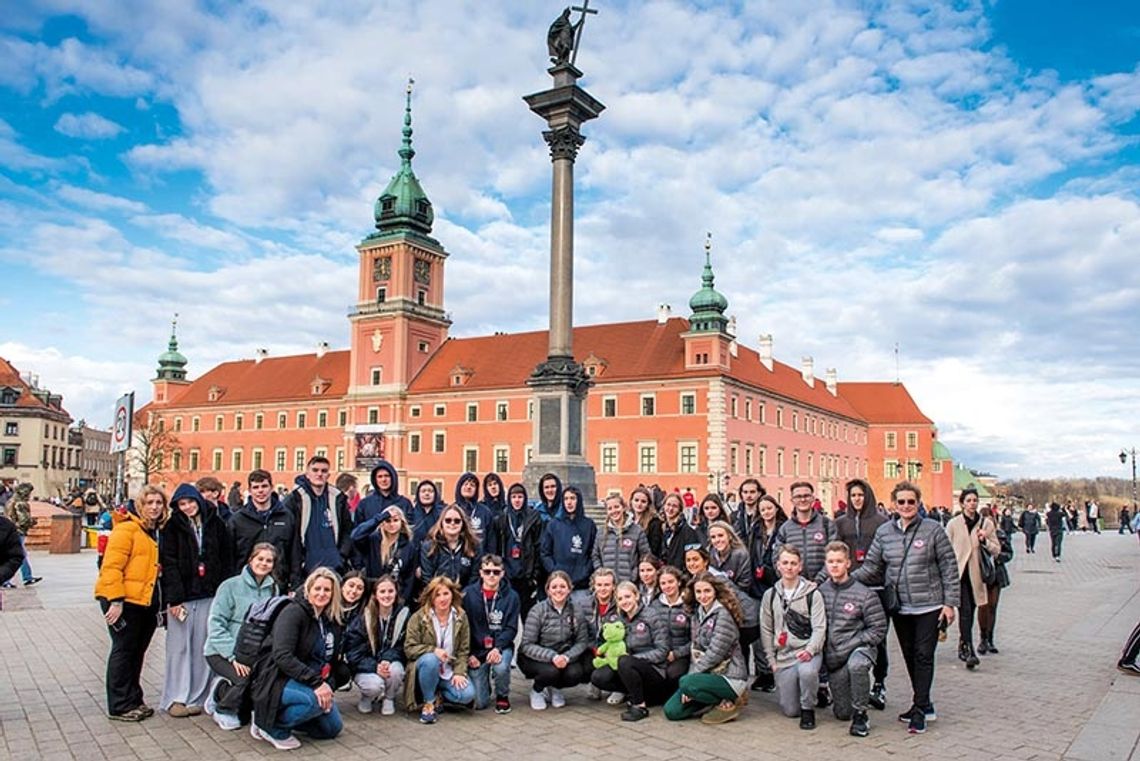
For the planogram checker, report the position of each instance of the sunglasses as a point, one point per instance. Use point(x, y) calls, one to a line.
point(906, 501)
point(452, 521)
point(392, 519)
point(493, 571)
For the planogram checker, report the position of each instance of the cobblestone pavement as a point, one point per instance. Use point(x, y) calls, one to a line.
point(1052, 693)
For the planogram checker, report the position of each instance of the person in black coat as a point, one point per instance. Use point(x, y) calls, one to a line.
point(384, 543)
point(1030, 524)
point(292, 679)
point(451, 549)
point(374, 648)
point(11, 551)
point(264, 518)
point(676, 533)
point(1055, 520)
point(516, 536)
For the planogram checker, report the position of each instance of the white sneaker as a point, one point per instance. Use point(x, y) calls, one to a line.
point(227, 721)
point(388, 707)
point(365, 704)
point(616, 698)
point(210, 705)
point(593, 692)
point(537, 701)
point(289, 743)
point(557, 699)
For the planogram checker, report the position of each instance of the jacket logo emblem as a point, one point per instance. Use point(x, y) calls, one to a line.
point(818, 536)
point(495, 619)
point(640, 627)
point(627, 543)
point(681, 618)
point(919, 544)
point(576, 544)
point(849, 607)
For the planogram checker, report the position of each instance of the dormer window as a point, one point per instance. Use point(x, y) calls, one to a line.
point(214, 393)
point(460, 375)
point(388, 204)
point(319, 386)
point(9, 396)
point(594, 365)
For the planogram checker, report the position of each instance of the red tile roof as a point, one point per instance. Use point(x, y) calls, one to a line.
point(10, 378)
point(632, 350)
point(273, 379)
point(883, 403)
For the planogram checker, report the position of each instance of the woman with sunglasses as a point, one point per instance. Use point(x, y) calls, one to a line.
point(913, 558)
point(451, 548)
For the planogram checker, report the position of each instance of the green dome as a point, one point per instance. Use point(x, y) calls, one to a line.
point(171, 363)
point(708, 305)
point(403, 206)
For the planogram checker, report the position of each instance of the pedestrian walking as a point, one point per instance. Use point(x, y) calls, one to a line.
point(1030, 524)
point(19, 511)
point(971, 534)
point(1055, 521)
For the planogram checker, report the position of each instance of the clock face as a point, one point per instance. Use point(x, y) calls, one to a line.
point(382, 269)
point(422, 272)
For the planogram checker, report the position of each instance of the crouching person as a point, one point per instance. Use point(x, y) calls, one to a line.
point(374, 648)
point(437, 645)
point(292, 687)
point(718, 671)
point(793, 627)
point(856, 625)
point(555, 648)
point(492, 608)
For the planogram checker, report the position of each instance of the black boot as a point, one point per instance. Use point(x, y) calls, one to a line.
point(983, 643)
point(964, 650)
point(807, 719)
point(990, 644)
point(971, 657)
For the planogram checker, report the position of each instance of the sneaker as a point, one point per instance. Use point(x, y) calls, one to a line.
point(132, 715)
point(364, 705)
point(557, 699)
point(289, 742)
point(917, 723)
point(860, 727)
point(807, 718)
point(146, 711)
point(211, 704)
point(929, 713)
point(502, 705)
point(963, 651)
point(720, 715)
point(1128, 668)
point(427, 714)
point(764, 683)
point(904, 717)
point(226, 721)
point(634, 713)
point(537, 701)
point(823, 696)
point(878, 697)
point(616, 698)
point(10, 585)
point(388, 707)
point(593, 692)
point(34, 580)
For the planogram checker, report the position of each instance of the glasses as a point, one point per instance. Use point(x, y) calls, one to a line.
point(906, 501)
point(802, 497)
point(492, 571)
point(392, 519)
point(452, 521)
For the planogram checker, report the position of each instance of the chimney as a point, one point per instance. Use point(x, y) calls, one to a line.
point(36, 382)
point(808, 371)
point(732, 348)
point(832, 381)
point(663, 313)
point(765, 350)
point(322, 349)
point(259, 355)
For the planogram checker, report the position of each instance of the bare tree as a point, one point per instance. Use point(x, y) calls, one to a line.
point(154, 446)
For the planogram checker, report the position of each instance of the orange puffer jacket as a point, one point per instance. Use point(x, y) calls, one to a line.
point(130, 564)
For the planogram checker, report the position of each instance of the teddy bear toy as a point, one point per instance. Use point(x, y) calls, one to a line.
point(613, 645)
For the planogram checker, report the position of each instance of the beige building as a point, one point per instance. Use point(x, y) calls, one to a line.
point(35, 445)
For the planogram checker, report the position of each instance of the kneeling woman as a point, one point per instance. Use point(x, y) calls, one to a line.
point(718, 673)
point(292, 686)
point(641, 673)
point(555, 649)
point(437, 644)
point(374, 648)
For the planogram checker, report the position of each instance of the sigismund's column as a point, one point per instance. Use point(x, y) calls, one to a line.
point(560, 384)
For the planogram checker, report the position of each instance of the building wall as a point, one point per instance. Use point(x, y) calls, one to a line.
point(35, 448)
point(890, 463)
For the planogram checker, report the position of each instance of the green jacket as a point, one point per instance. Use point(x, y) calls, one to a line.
point(19, 511)
point(419, 640)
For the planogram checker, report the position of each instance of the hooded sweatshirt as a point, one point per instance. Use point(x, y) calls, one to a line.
point(568, 543)
point(856, 528)
point(196, 557)
point(495, 504)
point(423, 516)
point(550, 509)
point(325, 526)
point(478, 513)
point(377, 501)
point(515, 537)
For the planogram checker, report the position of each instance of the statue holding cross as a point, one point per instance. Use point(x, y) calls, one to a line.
point(565, 36)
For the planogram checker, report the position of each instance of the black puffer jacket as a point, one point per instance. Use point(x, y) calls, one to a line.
point(190, 572)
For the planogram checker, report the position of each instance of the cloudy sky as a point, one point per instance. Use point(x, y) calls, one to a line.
point(959, 179)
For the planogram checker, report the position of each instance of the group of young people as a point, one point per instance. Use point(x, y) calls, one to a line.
point(422, 604)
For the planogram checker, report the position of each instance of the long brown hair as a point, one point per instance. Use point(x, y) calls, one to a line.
point(467, 535)
point(724, 595)
point(433, 586)
point(372, 609)
point(650, 513)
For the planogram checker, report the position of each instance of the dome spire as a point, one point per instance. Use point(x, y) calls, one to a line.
point(403, 206)
point(708, 305)
point(171, 363)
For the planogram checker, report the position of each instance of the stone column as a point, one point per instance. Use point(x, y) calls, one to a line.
point(559, 383)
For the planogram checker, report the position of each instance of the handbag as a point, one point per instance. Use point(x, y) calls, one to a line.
point(987, 565)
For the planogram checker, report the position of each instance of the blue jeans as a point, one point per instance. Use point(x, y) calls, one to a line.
point(300, 710)
point(25, 567)
point(427, 677)
point(480, 680)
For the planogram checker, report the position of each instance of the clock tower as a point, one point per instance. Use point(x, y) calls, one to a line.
point(398, 321)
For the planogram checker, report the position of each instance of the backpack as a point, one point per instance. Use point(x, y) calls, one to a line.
point(253, 637)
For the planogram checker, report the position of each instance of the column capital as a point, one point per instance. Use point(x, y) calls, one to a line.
point(564, 142)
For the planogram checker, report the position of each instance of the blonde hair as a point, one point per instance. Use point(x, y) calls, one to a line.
point(142, 495)
point(427, 597)
point(334, 607)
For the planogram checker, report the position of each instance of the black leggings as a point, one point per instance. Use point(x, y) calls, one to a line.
point(1030, 541)
point(546, 674)
point(918, 637)
point(636, 677)
point(966, 609)
point(882, 665)
point(1055, 538)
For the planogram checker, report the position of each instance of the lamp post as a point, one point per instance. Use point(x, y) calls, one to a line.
point(1124, 455)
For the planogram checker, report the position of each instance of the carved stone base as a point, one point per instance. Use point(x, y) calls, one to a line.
point(560, 372)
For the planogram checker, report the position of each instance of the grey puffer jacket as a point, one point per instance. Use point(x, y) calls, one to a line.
point(621, 550)
point(677, 622)
point(549, 632)
point(646, 637)
point(737, 568)
point(716, 638)
point(812, 538)
point(855, 619)
point(930, 577)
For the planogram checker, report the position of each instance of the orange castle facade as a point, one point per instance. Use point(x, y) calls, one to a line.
point(675, 402)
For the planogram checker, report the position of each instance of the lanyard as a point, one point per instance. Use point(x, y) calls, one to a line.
point(515, 530)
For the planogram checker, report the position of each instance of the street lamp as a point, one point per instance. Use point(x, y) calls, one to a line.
point(1124, 454)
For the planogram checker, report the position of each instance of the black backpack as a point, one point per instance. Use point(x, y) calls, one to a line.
point(253, 636)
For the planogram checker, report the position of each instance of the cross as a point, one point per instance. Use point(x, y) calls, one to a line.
point(583, 9)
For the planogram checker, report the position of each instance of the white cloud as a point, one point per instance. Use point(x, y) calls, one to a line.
point(97, 201)
point(88, 126)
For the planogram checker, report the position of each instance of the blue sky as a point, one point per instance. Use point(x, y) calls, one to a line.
point(959, 178)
